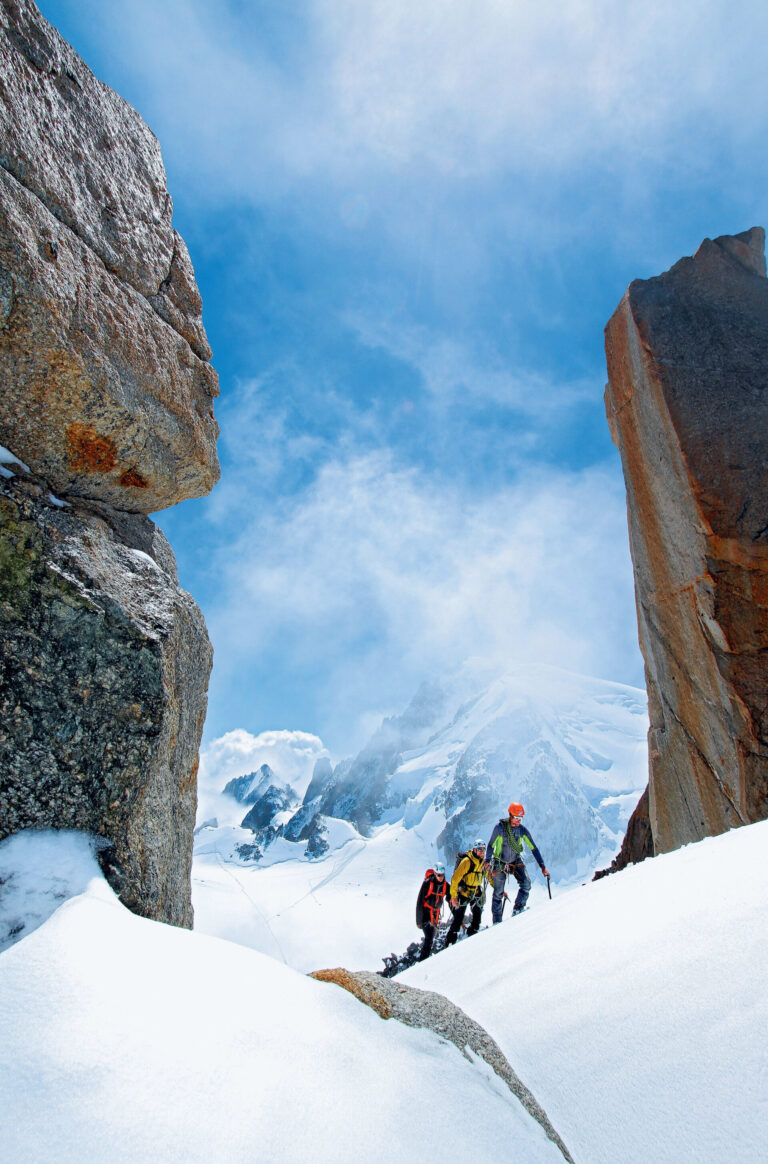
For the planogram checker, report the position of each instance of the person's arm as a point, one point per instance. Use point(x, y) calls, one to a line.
point(420, 903)
point(489, 847)
point(537, 855)
point(460, 870)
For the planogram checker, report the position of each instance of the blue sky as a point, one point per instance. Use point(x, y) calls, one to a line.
point(410, 223)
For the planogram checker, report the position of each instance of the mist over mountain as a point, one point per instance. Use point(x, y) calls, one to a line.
point(571, 748)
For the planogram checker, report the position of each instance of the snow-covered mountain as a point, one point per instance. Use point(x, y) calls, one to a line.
point(572, 749)
point(249, 788)
point(428, 782)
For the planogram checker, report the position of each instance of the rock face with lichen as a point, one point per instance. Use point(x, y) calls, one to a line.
point(107, 386)
point(107, 396)
point(687, 402)
point(103, 679)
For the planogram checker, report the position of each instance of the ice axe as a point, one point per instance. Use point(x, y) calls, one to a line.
point(549, 889)
point(504, 904)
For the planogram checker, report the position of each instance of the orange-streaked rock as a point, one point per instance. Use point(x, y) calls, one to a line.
point(687, 403)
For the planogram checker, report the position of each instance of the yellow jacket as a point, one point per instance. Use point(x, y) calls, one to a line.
point(467, 880)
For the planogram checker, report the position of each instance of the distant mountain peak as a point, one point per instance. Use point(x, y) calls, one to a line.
point(247, 789)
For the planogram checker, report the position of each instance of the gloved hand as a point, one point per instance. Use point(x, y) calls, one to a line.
point(454, 903)
point(545, 872)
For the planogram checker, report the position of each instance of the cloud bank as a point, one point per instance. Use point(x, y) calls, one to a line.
point(338, 87)
point(379, 576)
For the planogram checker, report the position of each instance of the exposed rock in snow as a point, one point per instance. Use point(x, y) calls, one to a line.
point(265, 808)
point(126, 1040)
point(247, 789)
point(434, 1012)
point(360, 791)
point(107, 399)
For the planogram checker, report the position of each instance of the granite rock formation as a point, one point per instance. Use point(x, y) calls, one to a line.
point(107, 386)
point(687, 403)
point(107, 395)
point(103, 679)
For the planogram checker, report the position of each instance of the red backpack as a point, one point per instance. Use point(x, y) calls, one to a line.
point(435, 896)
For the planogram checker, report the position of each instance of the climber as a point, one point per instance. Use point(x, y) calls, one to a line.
point(505, 855)
point(467, 889)
point(429, 906)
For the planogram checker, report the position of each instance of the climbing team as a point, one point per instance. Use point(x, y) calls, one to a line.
point(480, 865)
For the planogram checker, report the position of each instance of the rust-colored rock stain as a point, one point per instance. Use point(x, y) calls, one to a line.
point(88, 451)
point(131, 478)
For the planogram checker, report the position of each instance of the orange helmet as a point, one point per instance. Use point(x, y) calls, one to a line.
point(516, 809)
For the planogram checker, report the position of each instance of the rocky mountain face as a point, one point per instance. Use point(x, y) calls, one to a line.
point(103, 683)
point(360, 790)
point(688, 409)
point(107, 402)
point(270, 800)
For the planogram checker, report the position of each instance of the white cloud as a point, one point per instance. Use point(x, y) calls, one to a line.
point(452, 372)
point(290, 754)
point(476, 86)
point(465, 87)
point(382, 576)
point(450, 133)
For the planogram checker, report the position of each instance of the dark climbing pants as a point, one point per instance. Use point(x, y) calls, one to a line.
point(520, 874)
point(458, 918)
point(426, 945)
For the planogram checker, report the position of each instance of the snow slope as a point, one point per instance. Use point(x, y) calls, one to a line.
point(350, 908)
point(123, 1039)
point(635, 1008)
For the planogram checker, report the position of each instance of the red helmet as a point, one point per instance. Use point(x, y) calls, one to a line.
point(516, 809)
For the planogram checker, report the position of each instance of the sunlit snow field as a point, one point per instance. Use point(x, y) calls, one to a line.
point(634, 1008)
